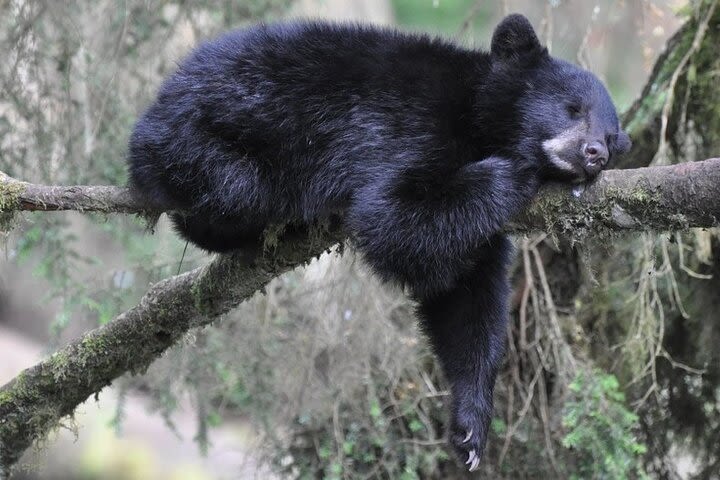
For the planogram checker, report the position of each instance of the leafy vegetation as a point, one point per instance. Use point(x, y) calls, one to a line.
point(601, 429)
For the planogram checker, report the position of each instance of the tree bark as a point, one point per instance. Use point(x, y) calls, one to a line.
point(673, 197)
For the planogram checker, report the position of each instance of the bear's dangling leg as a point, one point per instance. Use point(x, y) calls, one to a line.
point(466, 326)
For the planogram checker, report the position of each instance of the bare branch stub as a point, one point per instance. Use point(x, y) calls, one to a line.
point(22, 196)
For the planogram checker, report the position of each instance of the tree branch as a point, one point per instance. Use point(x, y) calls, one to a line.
point(34, 402)
point(659, 198)
point(674, 197)
point(16, 195)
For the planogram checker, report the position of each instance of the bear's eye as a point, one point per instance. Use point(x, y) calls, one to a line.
point(574, 110)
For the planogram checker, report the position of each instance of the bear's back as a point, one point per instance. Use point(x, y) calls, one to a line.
point(310, 106)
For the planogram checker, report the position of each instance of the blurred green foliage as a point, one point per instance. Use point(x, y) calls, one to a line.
point(445, 16)
point(601, 429)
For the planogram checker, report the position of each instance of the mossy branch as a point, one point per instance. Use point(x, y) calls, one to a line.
point(34, 402)
point(679, 106)
point(664, 198)
point(658, 198)
point(673, 197)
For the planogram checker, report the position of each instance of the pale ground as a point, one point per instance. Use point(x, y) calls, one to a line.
point(147, 448)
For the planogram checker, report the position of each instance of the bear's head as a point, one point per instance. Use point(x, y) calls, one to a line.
point(565, 116)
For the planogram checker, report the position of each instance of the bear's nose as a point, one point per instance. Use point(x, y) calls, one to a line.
point(596, 153)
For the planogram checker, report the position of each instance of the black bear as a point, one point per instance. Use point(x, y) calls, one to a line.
point(428, 149)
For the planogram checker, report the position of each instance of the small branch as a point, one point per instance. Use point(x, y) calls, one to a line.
point(16, 195)
point(32, 404)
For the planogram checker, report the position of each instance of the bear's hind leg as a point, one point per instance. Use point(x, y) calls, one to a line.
point(235, 207)
point(218, 235)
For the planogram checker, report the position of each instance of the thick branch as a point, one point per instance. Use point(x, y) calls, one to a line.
point(673, 197)
point(660, 198)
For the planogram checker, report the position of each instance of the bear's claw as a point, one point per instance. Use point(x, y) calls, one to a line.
point(475, 464)
point(468, 431)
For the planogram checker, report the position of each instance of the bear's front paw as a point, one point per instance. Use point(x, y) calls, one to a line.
point(468, 435)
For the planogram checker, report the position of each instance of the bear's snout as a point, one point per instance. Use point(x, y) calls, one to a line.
point(596, 156)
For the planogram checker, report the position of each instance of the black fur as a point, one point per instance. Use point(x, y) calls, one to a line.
point(428, 148)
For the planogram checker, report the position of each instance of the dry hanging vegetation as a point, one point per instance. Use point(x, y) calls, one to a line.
point(582, 307)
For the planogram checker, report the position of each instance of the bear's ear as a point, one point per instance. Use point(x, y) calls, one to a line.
point(515, 40)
